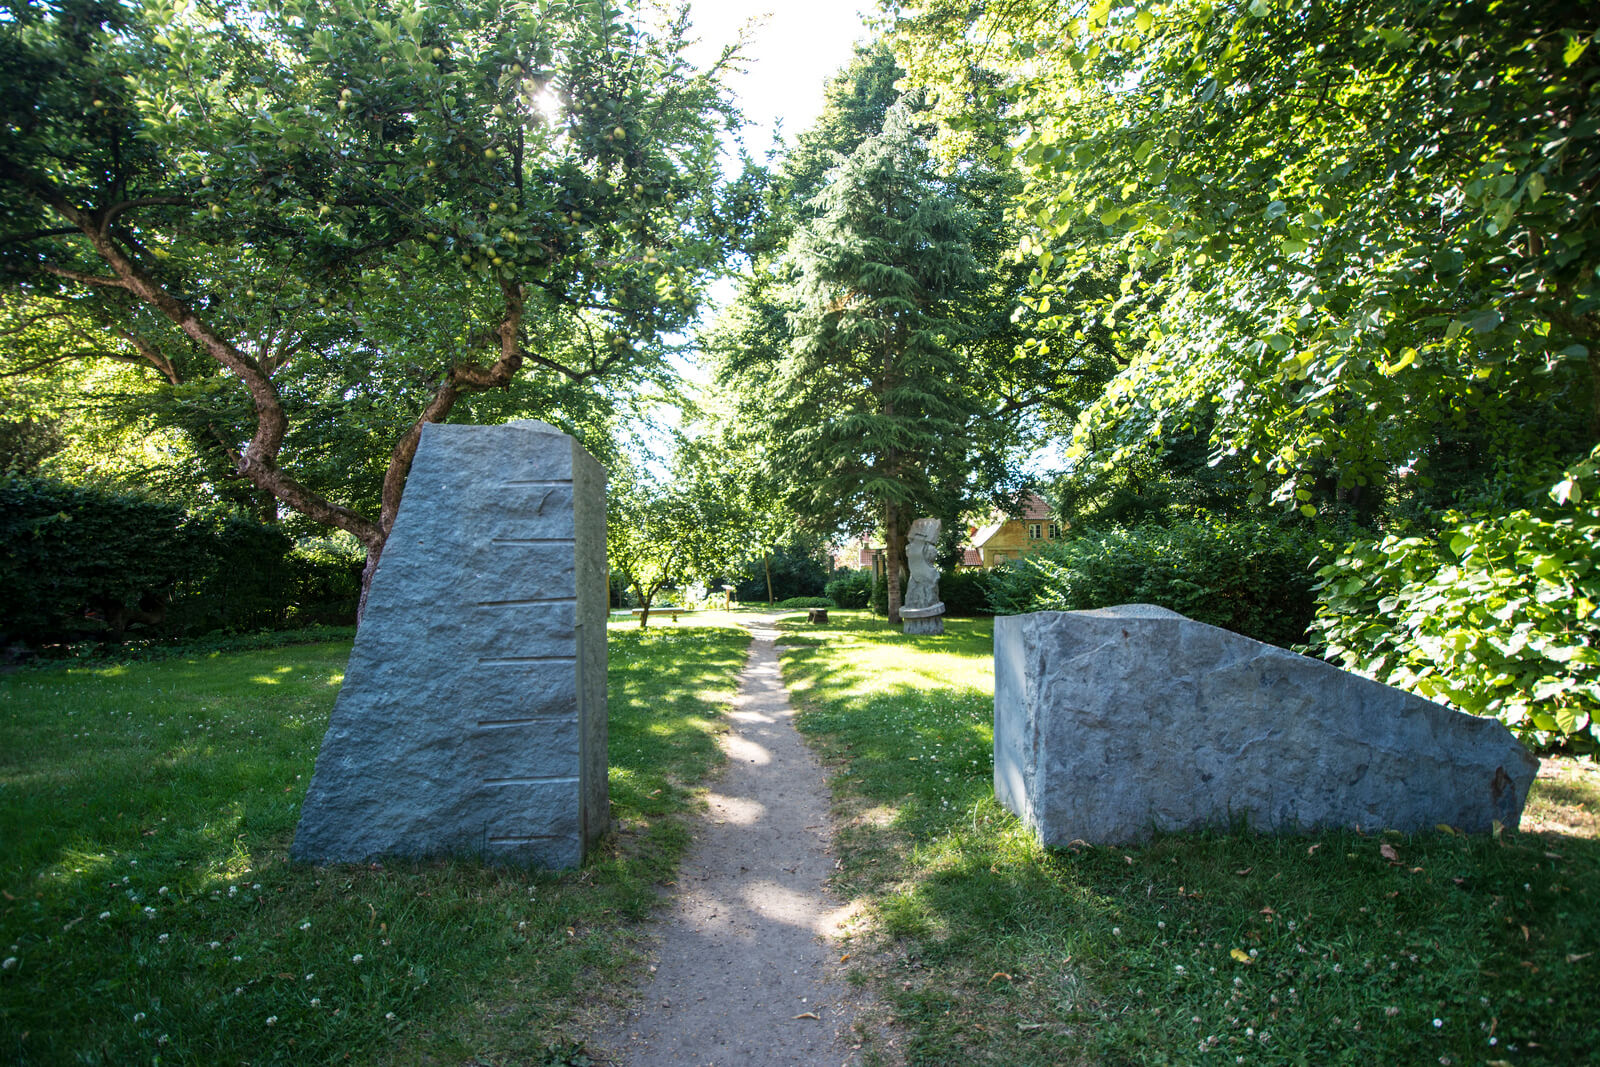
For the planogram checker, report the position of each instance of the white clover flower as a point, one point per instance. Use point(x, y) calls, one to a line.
point(214, 944)
point(389, 1015)
point(105, 915)
point(138, 1016)
point(316, 1002)
point(1438, 1023)
point(306, 925)
point(272, 1020)
point(357, 958)
point(163, 938)
point(150, 913)
point(1117, 931)
point(10, 962)
point(162, 891)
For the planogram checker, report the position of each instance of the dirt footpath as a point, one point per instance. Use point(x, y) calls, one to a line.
point(745, 975)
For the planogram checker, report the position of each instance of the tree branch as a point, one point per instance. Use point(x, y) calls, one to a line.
point(85, 279)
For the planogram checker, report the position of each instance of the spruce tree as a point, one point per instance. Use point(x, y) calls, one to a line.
point(873, 400)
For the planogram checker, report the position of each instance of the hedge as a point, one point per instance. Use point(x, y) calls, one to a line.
point(78, 562)
point(1248, 577)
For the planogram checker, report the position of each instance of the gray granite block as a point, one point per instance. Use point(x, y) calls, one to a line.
point(1114, 723)
point(472, 719)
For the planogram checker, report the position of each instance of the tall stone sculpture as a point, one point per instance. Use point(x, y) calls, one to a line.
point(472, 719)
point(923, 611)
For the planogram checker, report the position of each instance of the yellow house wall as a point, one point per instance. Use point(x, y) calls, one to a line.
point(1012, 539)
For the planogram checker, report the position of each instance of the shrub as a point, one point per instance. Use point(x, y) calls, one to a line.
point(795, 568)
point(325, 576)
point(853, 590)
point(1248, 577)
point(806, 602)
point(77, 563)
point(1494, 613)
point(965, 593)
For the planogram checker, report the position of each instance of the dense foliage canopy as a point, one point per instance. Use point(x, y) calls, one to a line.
point(320, 223)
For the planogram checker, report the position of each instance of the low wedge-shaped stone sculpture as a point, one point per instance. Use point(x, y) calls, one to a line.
point(1113, 724)
point(472, 719)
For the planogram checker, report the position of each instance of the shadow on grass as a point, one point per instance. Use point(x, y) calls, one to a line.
point(1309, 949)
point(151, 911)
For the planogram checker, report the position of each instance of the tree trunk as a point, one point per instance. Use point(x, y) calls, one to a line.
point(644, 608)
point(767, 567)
point(894, 544)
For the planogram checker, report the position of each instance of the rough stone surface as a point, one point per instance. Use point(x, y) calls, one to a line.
point(472, 719)
point(1114, 723)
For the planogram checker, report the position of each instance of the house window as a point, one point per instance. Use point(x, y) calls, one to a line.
point(1055, 530)
point(1035, 531)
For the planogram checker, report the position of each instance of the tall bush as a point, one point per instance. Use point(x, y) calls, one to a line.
point(78, 562)
point(852, 590)
point(1252, 578)
point(965, 593)
point(1494, 614)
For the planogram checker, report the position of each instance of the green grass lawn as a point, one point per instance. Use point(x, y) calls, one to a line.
point(1219, 948)
point(150, 914)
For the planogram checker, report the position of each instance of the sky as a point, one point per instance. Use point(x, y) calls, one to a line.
point(796, 46)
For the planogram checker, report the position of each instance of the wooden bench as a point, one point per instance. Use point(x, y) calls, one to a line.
point(674, 612)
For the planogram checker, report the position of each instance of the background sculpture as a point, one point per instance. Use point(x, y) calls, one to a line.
point(923, 611)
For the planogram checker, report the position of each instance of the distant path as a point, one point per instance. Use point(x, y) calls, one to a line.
point(743, 949)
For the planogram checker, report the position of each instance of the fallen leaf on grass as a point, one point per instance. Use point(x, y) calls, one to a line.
point(1242, 871)
point(997, 976)
point(1242, 956)
point(1312, 851)
point(1387, 851)
point(1446, 828)
point(809, 1015)
point(1574, 957)
point(1030, 1026)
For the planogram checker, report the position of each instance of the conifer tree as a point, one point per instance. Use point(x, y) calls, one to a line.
point(873, 399)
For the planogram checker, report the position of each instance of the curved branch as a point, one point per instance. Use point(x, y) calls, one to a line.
point(84, 278)
point(110, 214)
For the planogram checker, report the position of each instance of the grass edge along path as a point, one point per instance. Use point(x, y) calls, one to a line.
point(150, 915)
point(1192, 949)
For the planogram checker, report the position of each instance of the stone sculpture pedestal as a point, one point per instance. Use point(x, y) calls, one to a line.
point(929, 620)
point(472, 720)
